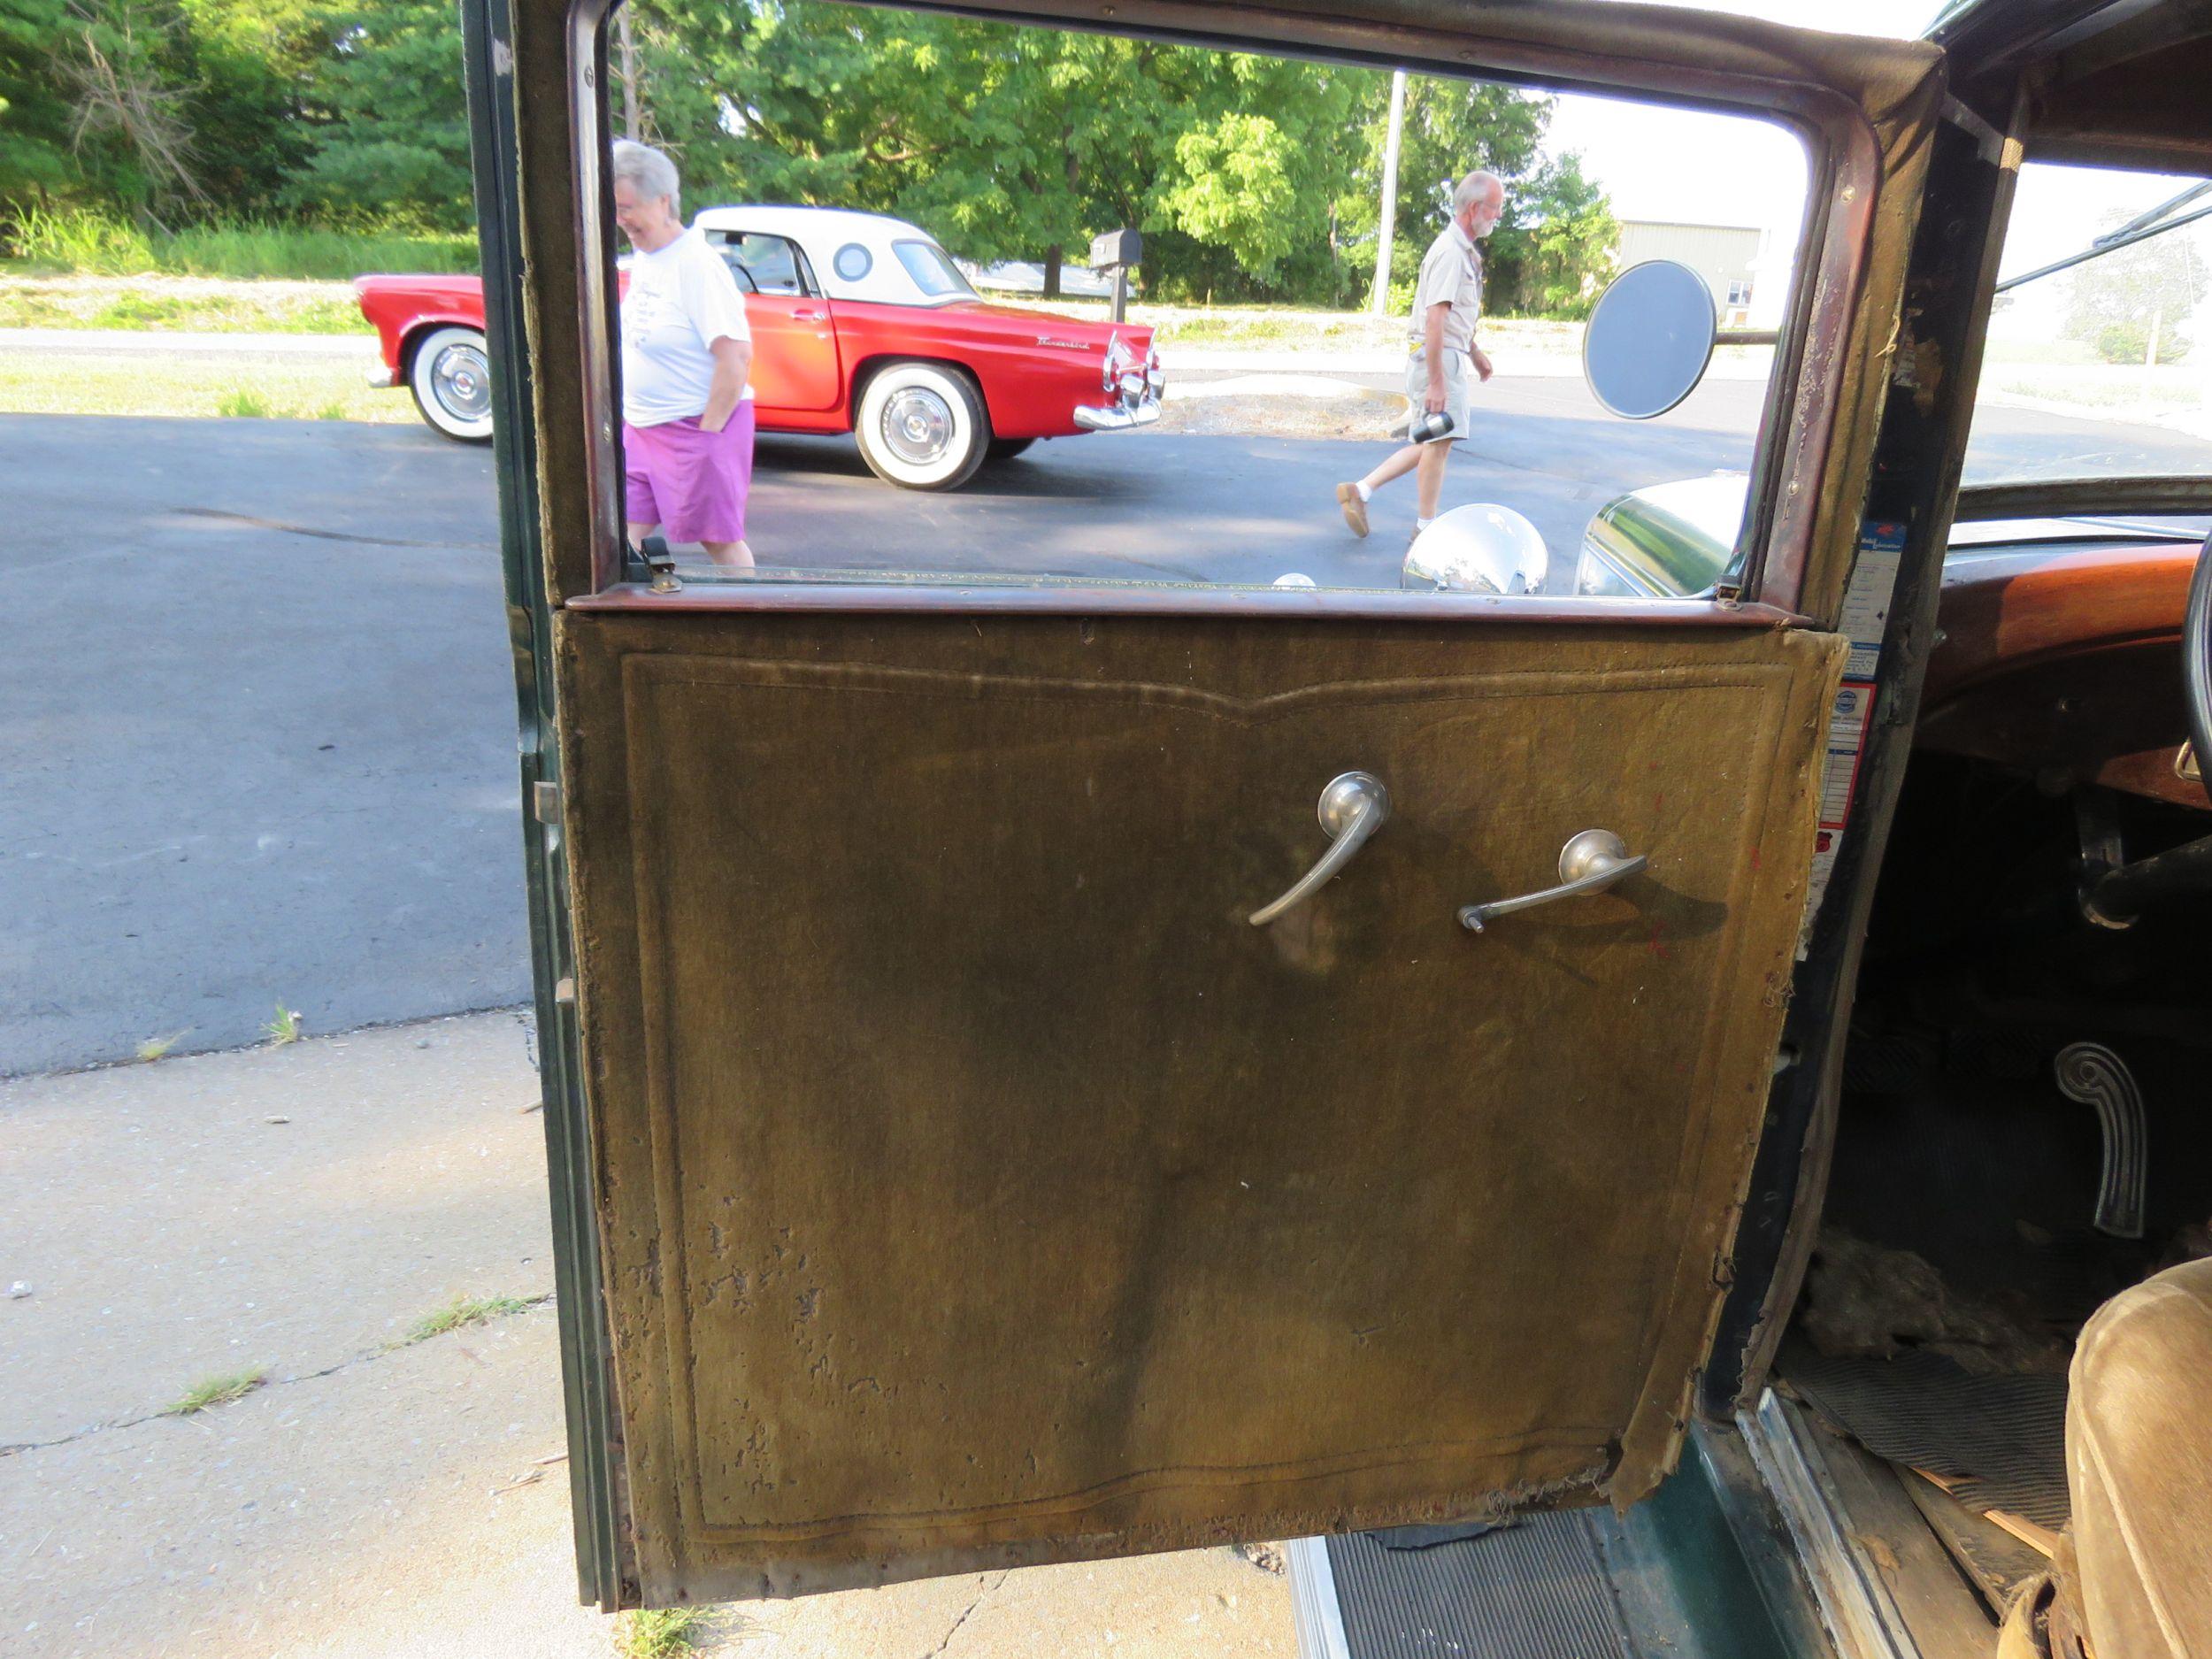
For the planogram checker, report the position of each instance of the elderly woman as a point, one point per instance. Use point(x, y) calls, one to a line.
point(686, 410)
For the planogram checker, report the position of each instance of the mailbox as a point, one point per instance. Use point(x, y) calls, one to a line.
point(1123, 247)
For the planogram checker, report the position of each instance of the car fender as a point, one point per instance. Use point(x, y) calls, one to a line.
point(1031, 388)
point(403, 309)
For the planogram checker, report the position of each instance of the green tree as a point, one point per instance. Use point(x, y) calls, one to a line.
point(2113, 301)
point(125, 67)
point(1451, 128)
point(34, 156)
point(386, 122)
point(256, 63)
point(1554, 253)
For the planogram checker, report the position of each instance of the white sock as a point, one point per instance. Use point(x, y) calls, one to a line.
point(1420, 525)
point(1365, 494)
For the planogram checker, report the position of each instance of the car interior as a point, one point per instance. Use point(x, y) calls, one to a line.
point(1970, 1444)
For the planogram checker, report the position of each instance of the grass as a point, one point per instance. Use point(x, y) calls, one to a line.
point(250, 405)
point(662, 1632)
point(460, 1313)
point(188, 305)
point(1290, 325)
point(284, 1024)
point(65, 240)
point(2114, 394)
point(136, 383)
point(157, 1047)
point(217, 1391)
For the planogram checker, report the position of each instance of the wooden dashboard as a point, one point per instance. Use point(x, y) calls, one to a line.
point(2064, 664)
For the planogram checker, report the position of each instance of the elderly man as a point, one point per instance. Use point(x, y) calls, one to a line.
point(1446, 302)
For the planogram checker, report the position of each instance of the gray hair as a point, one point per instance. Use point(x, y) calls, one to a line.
point(1473, 186)
point(650, 172)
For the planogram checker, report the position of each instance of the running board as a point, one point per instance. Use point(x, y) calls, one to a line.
point(1700, 1570)
point(1535, 1590)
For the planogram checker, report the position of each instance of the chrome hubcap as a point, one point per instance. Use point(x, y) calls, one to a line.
point(463, 382)
point(917, 425)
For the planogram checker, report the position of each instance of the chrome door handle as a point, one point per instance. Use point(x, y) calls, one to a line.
point(1352, 808)
point(1590, 863)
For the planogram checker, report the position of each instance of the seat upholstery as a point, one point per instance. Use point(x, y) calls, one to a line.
point(2139, 1462)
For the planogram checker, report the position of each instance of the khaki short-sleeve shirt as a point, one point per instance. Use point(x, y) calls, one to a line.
point(1451, 274)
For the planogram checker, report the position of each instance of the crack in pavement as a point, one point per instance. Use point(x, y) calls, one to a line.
point(326, 535)
point(990, 1585)
point(14, 1449)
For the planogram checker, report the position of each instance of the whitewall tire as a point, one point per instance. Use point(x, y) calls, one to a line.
point(450, 377)
point(922, 425)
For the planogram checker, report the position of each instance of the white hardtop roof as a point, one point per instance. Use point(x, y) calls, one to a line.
point(809, 223)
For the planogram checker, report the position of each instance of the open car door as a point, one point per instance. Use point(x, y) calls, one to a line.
point(947, 1170)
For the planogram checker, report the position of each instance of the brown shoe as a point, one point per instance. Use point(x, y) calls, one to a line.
point(1355, 509)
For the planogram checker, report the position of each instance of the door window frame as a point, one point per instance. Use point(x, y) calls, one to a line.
point(1798, 441)
point(724, 238)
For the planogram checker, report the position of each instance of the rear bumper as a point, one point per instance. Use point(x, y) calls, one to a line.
point(1124, 416)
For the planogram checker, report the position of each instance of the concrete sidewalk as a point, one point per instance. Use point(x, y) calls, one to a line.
point(297, 1210)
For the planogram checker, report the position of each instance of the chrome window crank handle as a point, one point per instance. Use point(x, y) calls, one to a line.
point(1589, 863)
point(1352, 808)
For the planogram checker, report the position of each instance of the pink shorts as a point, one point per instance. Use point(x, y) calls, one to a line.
point(690, 482)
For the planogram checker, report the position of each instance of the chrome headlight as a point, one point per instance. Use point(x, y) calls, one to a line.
point(1483, 548)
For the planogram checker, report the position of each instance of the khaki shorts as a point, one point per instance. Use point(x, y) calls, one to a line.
point(1455, 371)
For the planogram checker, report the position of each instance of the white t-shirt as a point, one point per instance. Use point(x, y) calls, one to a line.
point(681, 299)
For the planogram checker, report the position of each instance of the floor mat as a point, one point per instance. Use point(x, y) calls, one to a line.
point(1533, 1591)
point(1998, 1440)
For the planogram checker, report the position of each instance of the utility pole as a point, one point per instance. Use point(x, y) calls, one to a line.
point(627, 50)
point(1379, 301)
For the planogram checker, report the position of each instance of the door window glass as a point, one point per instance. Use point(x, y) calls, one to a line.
point(1226, 397)
point(2099, 367)
point(772, 262)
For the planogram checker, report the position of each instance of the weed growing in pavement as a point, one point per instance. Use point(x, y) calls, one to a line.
point(217, 1391)
point(461, 1311)
point(245, 406)
point(157, 1047)
point(283, 1026)
point(660, 1632)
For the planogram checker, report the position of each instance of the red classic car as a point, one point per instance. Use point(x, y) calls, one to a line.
point(861, 323)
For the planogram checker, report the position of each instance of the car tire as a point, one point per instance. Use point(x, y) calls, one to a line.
point(1007, 449)
point(449, 373)
point(922, 425)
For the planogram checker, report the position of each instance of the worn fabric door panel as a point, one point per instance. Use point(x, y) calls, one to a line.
point(977, 1186)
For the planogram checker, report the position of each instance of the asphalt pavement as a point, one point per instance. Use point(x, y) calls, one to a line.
point(259, 749)
point(260, 741)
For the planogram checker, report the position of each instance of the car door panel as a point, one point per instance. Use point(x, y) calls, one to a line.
point(794, 354)
point(980, 1186)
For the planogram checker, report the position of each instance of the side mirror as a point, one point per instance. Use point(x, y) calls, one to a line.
point(1649, 338)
